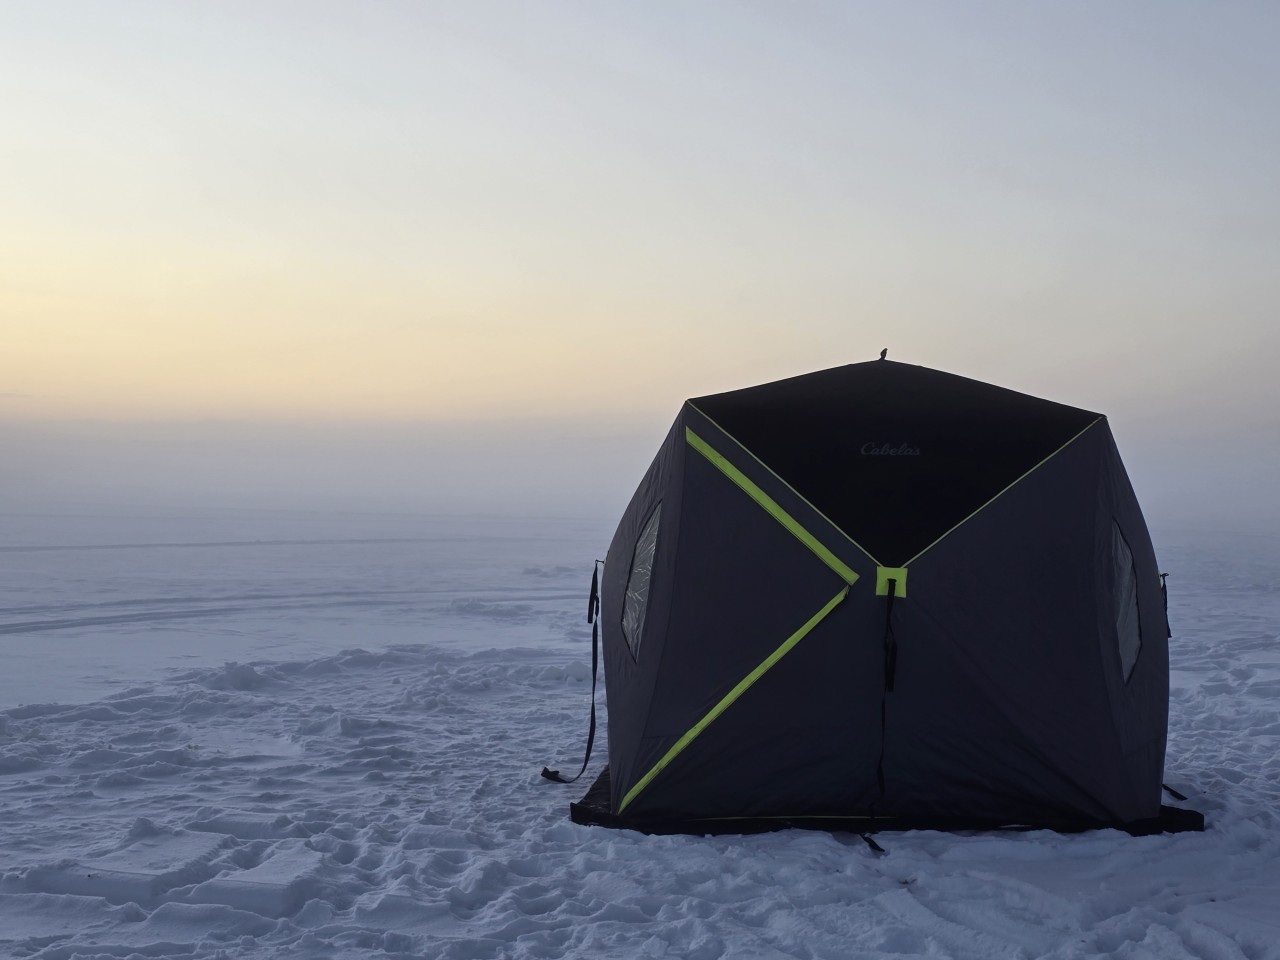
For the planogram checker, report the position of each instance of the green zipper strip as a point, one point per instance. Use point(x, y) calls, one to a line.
point(782, 481)
point(728, 699)
point(771, 507)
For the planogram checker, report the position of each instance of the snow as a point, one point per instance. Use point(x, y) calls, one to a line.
point(235, 735)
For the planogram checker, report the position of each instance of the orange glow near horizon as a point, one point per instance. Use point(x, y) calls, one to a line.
point(404, 211)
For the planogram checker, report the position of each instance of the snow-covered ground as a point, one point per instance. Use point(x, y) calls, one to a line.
point(236, 735)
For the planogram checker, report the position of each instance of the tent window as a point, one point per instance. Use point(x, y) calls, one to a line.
point(1125, 587)
point(637, 594)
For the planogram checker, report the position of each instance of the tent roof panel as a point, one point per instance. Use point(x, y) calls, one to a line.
point(894, 454)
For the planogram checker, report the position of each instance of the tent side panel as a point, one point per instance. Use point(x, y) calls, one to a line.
point(1140, 703)
point(629, 677)
point(785, 745)
point(1000, 708)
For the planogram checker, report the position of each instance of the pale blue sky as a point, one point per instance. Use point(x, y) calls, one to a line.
point(266, 212)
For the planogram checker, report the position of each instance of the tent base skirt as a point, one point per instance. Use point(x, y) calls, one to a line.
point(594, 809)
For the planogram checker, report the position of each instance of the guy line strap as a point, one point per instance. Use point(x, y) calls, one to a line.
point(593, 618)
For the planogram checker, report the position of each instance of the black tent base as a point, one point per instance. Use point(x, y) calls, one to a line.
point(594, 810)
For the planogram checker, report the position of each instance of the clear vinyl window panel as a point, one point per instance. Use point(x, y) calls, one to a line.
point(637, 594)
point(1125, 590)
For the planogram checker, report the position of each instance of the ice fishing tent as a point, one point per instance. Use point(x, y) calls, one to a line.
point(882, 595)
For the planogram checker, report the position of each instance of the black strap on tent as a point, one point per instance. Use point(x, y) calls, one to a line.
point(1164, 592)
point(1172, 792)
point(890, 641)
point(593, 618)
point(890, 670)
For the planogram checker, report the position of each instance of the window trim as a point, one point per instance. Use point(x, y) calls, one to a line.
point(651, 527)
point(1116, 612)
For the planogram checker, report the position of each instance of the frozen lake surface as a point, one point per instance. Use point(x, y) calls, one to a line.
point(91, 603)
point(253, 735)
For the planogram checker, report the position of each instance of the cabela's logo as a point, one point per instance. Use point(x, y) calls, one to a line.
point(873, 449)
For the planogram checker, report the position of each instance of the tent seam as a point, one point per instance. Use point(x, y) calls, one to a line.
point(772, 473)
point(771, 507)
point(1004, 491)
point(678, 476)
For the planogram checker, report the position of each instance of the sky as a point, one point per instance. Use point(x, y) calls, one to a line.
point(475, 255)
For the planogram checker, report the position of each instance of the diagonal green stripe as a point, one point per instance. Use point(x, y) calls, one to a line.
point(771, 506)
point(773, 473)
point(727, 700)
point(1001, 494)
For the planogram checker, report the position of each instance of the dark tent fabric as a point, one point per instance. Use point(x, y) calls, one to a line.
point(882, 595)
